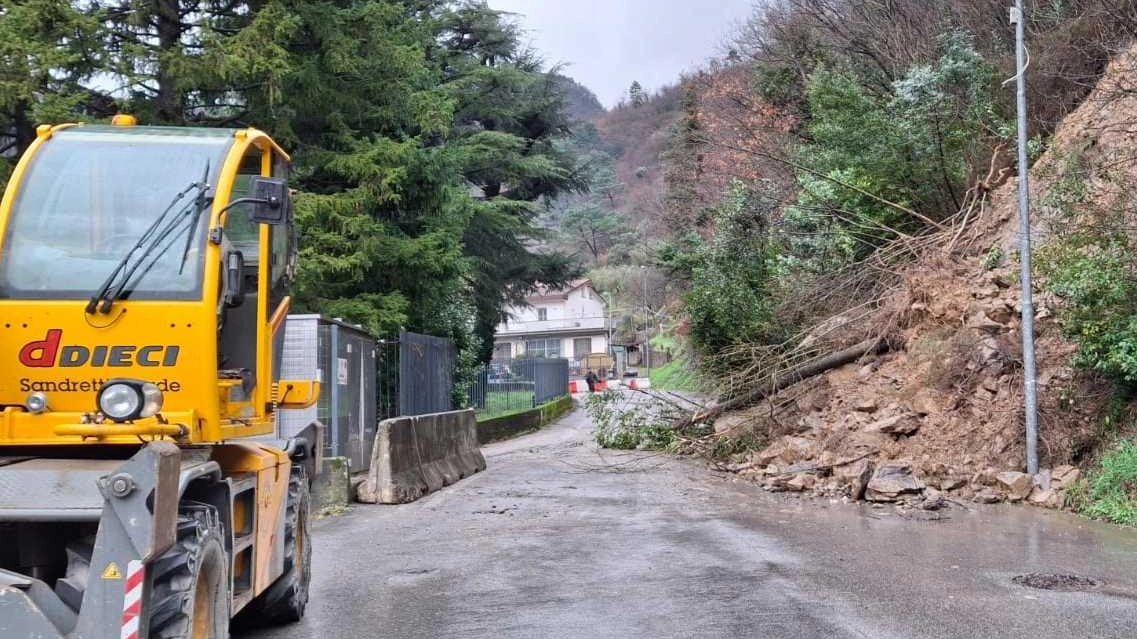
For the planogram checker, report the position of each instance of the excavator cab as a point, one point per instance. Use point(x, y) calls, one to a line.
point(144, 277)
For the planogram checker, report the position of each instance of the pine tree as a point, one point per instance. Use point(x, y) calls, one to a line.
point(47, 49)
point(509, 129)
point(381, 209)
point(636, 95)
point(162, 54)
point(683, 163)
point(422, 133)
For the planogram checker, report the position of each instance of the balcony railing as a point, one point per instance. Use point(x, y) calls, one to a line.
point(551, 325)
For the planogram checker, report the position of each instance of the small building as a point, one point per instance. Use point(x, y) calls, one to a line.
point(571, 323)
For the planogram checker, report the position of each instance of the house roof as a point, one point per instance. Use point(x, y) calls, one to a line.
point(547, 294)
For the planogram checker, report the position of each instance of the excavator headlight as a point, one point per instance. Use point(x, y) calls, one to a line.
point(123, 400)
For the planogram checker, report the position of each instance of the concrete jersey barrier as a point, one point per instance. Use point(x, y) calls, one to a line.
point(415, 456)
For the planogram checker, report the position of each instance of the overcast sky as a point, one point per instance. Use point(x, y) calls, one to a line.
point(609, 43)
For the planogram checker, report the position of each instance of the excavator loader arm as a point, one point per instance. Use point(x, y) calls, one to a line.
point(136, 523)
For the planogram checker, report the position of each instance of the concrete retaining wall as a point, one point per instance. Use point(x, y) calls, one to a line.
point(497, 428)
point(414, 456)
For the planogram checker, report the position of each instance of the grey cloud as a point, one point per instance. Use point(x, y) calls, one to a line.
point(609, 43)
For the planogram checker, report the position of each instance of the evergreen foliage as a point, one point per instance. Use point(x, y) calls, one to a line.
point(913, 147)
point(730, 301)
point(873, 155)
point(509, 128)
point(636, 95)
point(47, 50)
point(684, 167)
point(1095, 277)
point(423, 134)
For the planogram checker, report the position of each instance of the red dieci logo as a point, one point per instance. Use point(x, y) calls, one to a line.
point(49, 352)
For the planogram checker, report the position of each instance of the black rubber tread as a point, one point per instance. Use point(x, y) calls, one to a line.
point(175, 574)
point(285, 600)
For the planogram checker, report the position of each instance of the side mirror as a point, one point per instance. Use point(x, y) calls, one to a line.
point(234, 279)
point(270, 200)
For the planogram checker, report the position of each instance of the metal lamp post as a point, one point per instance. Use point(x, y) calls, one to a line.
point(647, 322)
point(1030, 390)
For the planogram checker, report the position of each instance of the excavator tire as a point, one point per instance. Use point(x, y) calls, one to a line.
point(190, 587)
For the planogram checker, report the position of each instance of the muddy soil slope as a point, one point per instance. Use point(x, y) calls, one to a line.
point(943, 409)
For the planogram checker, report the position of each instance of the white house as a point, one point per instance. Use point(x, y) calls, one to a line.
point(568, 323)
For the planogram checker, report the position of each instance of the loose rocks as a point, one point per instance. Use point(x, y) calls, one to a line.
point(933, 499)
point(987, 496)
point(787, 450)
point(856, 476)
point(896, 425)
point(1017, 485)
point(891, 481)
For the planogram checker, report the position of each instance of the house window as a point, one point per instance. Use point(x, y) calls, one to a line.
point(581, 346)
point(547, 348)
point(542, 314)
point(502, 351)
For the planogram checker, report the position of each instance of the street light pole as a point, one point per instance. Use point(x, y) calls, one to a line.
point(608, 322)
point(647, 322)
point(1030, 390)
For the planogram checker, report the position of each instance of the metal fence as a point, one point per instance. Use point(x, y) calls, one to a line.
point(387, 378)
point(506, 385)
point(426, 374)
point(362, 381)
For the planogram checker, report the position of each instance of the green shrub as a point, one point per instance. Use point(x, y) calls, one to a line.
point(912, 148)
point(730, 300)
point(624, 426)
point(1110, 492)
point(1094, 276)
point(993, 258)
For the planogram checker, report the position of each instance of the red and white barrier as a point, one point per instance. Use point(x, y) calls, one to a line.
point(580, 386)
point(637, 383)
point(132, 599)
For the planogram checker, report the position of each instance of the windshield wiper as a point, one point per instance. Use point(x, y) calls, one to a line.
point(153, 237)
point(200, 201)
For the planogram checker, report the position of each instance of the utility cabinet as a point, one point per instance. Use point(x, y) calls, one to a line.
point(342, 357)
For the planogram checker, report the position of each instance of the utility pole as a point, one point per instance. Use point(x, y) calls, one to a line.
point(608, 323)
point(647, 322)
point(1030, 388)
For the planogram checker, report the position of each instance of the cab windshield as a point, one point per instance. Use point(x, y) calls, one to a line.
point(89, 194)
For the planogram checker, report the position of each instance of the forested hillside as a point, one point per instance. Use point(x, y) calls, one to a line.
point(834, 129)
point(843, 178)
point(423, 133)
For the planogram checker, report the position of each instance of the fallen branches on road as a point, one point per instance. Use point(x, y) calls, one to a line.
point(792, 376)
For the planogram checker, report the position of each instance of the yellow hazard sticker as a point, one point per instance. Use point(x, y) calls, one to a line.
point(112, 571)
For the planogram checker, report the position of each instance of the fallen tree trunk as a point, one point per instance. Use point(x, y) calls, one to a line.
point(809, 369)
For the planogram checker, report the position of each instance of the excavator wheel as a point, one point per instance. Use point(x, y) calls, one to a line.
point(190, 587)
point(285, 600)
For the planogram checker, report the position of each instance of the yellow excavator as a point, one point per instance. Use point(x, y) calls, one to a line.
point(144, 277)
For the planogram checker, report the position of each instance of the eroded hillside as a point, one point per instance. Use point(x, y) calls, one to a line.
point(941, 410)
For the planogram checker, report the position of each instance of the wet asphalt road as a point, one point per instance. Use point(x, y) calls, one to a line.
point(559, 539)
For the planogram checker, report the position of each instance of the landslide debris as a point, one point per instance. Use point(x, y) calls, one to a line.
point(940, 413)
